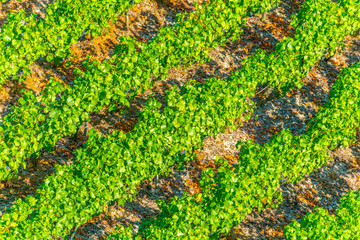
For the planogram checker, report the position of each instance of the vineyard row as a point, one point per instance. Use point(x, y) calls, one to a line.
point(321, 225)
point(24, 39)
point(230, 193)
point(39, 122)
point(110, 168)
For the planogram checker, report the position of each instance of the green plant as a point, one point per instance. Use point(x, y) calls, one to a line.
point(230, 193)
point(25, 38)
point(110, 168)
point(321, 225)
point(44, 119)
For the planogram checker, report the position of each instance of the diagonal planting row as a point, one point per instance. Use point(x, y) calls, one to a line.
point(26, 38)
point(110, 168)
point(321, 225)
point(39, 122)
point(232, 193)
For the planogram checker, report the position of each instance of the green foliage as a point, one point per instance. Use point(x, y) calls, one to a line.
point(25, 38)
point(121, 233)
point(321, 225)
point(231, 194)
point(44, 120)
point(110, 168)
